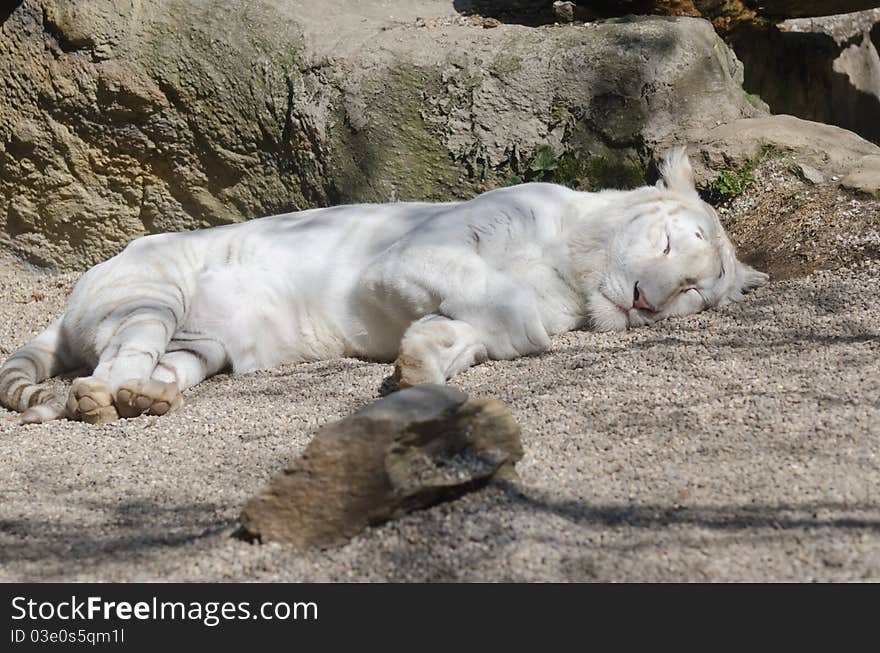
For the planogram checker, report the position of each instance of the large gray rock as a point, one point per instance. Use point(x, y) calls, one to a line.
point(407, 451)
point(724, 14)
point(821, 69)
point(830, 150)
point(119, 119)
point(864, 177)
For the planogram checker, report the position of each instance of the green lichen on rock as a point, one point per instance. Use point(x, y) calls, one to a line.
point(506, 64)
point(394, 154)
point(588, 173)
point(235, 91)
point(758, 102)
point(597, 173)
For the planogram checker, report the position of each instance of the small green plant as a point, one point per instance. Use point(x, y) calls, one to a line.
point(544, 162)
point(540, 168)
point(732, 183)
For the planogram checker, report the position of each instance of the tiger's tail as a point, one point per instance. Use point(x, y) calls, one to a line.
point(43, 357)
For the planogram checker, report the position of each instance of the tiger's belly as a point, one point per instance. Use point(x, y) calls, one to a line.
point(264, 318)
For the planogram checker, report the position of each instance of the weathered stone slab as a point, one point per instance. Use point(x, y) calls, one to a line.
point(829, 150)
point(864, 178)
point(407, 451)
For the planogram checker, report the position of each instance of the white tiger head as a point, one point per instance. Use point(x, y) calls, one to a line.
point(667, 255)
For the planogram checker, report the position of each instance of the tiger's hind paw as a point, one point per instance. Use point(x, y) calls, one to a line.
point(138, 396)
point(90, 401)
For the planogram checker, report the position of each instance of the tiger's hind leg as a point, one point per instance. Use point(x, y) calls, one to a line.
point(91, 400)
point(188, 359)
point(147, 396)
point(131, 354)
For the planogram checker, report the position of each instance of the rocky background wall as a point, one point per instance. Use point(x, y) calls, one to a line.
point(825, 69)
point(120, 118)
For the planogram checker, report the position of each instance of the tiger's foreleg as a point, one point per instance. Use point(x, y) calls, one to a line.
point(189, 359)
point(475, 313)
point(436, 348)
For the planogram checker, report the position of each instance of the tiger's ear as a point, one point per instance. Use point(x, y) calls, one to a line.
point(741, 277)
point(745, 278)
point(676, 173)
point(749, 278)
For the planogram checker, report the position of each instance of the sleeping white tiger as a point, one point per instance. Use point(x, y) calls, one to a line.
point(441, 287)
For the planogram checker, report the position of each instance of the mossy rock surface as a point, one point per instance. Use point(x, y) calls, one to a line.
point(121, 119)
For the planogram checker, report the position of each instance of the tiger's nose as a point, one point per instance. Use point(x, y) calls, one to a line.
point(639, 299)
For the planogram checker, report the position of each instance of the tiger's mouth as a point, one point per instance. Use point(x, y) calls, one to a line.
point(623, 311)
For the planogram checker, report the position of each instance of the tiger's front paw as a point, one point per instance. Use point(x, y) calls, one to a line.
point(413, 370)
point(91, 401)
point(436, 348)
point(519, 331)
point(138, 396)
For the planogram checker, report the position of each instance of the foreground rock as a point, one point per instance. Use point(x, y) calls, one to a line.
point(121, 119)
point(407, 451)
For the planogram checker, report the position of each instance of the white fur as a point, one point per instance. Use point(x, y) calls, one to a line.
point(494, 276)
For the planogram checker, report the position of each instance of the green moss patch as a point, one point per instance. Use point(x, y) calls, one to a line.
point(581, 173)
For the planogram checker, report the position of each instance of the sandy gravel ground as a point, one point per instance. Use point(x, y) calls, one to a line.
point(738, 444)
